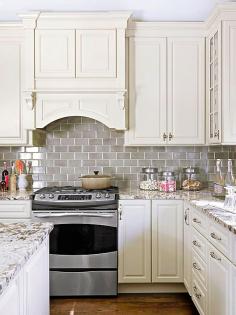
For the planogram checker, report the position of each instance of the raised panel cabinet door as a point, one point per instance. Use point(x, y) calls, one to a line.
point(96, 53)
point(186, 90)
point(54, 54)
point(147, 91)
point(218, 283)
point(37, 282)
point(167, 241)
point(229, 82)
point(134, 241)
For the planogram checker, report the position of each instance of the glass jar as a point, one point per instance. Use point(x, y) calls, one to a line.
point(149, 178)
point(167, 181)
point(191, 179)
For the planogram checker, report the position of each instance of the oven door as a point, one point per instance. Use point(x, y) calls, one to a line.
point(82, 239)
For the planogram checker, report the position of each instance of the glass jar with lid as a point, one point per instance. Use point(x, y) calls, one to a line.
point(191, 179)
point(167, 181)
point(149, 178)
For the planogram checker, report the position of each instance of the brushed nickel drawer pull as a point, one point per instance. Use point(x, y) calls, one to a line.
point(195, 266)
point(213, 255)
point(213, 235)
point(171, 136)
point(195, 243)
point(196, 220)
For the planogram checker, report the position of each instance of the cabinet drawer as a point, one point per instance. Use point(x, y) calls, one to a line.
point(199, 268)
point(199, 221)
point(14, 209)
point(199, 297)
point(219, 237)
point(199, 244)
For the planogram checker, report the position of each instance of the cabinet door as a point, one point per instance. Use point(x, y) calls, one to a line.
point(37, 282)
point(147, 91)
point(96, 53)
point(54, 53)
point(187, 250)
point(167, 241)
point(135, 241)
point(14, 209)
point(213, 95)
point(218, 282)
point(233, 290)
point(186, 90)
point(229, 82)
point(10, 300)
point(17, 116)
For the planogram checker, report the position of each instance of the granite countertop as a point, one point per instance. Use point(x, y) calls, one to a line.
point(18, 195)
point(18, 242)
point(202, 200)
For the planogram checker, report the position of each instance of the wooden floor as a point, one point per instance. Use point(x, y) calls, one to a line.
point(126, 304)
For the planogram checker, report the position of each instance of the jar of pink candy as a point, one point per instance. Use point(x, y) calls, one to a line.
point(167, 181)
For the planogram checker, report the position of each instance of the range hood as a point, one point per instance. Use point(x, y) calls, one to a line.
point(76, 65)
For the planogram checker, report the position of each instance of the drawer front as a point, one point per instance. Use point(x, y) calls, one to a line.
point(199, 244)
point(199, 268)
point(220, 238)
point(199, 297)
point(199, 221)
point(14, 209)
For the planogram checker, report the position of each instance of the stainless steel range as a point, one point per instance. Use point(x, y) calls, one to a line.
point(83, 244)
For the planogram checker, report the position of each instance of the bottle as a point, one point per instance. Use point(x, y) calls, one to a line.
point(12, 185)
point(5, 174)
point(3, 184)
point(229, 178)
point(219, 180)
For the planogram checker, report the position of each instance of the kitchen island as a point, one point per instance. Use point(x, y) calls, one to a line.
point(24, 268)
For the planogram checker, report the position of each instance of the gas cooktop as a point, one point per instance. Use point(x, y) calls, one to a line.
point(74, 194)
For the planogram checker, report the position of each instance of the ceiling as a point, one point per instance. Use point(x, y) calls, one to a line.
point(148, 10)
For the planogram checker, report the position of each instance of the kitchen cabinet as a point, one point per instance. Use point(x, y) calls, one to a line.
point(187, 250)
point(150, 241)
point(167, 241)
point(15, 209)
point(15, 106)
point(134, 241)
point(218, 282)
point(166, 81)
point(36, 275)
point(28, 292)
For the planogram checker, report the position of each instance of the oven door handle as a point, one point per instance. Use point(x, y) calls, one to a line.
point(69, 214)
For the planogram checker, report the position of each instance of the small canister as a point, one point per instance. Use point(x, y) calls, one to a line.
point(191, 179)
point(149, 178)
point(167, 181)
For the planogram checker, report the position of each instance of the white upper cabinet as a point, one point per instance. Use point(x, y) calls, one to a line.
point(96, 53)
point(147, 91)
point(166, 86)
point(54, 53)
point(16, 107)
point(186, 90)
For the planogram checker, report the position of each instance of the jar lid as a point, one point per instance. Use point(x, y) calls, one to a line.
point(191, 170)
point(149, 170)
point(167, 173)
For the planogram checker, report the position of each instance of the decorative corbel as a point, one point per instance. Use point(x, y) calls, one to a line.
point(30, 100)
point(121, 99)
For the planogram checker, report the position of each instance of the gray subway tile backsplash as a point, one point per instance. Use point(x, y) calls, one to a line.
point(79, 145)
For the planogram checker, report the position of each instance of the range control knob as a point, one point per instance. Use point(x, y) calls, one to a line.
point(98, 195)
point(42, 196)
point(107, 195)
point(51, 196)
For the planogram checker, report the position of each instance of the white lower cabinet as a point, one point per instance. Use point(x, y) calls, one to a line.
point(187, 250)
point(167, 241)
point(28, 293)
point(15, 209)
point(135, 241)
point(150, 241)
point(218, 283)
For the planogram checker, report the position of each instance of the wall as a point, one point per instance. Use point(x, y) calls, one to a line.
point(78, 146)
point(151, 10)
